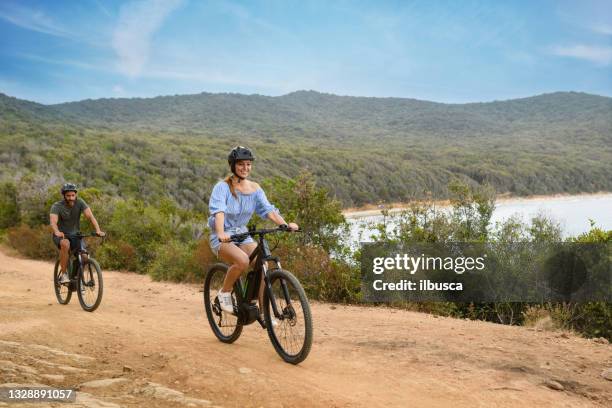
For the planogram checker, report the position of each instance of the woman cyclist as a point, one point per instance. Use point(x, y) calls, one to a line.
point(231, 205)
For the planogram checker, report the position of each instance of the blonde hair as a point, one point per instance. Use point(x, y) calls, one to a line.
point(230, 182)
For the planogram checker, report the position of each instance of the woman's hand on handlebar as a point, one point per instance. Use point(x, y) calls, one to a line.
point(101, 233)
point(59, 234)
point(293, 226)
point(223, 237)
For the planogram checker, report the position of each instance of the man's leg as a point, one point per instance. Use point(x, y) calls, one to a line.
point(64, 248)
point(83, 252)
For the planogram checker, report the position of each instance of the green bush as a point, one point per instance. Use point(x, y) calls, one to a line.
point(118, 255)
point(139, 227)
point(9, 207)
point(175, 261)
point(33, 242)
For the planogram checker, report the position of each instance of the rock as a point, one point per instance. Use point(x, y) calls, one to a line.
point(332, 307)
point(53, 377)
point(146, 355)
point(87, 400)
point(107, 382)
point(564, 335)
point(554, 385)
point(244, 370)
point(71, 369)
point(6, 365)
point(127, 369)
point(607, 374)
point(160, 392)
point(601, 340)
point(61, 353)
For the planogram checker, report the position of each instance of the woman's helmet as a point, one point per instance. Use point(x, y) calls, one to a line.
point(238, 153)
point(68, 187)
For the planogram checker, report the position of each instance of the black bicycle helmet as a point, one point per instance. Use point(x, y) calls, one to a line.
point(239, 153)
point(68, 187)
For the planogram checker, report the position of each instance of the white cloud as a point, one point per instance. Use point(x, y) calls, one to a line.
point(138, 21)
point(66, 62)
point(605, 29)
point(34, 20)
point(118, 89)
point(596, 54)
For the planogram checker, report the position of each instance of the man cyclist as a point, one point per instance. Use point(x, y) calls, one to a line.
point(65, 221)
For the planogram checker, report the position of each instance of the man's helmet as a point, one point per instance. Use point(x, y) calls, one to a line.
point(238, 153)
point(68, 187)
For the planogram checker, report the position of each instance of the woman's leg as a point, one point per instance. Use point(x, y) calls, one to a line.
point(248, 249)
point(238, 261)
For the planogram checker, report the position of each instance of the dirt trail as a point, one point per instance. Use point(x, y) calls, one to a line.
point(154, 340)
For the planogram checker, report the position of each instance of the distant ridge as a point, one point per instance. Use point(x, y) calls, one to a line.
point(363, 149)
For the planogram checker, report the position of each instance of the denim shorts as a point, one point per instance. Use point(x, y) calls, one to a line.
point(215, 244)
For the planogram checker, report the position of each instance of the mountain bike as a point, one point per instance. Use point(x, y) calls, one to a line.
point(85, 278)
point(286, 311)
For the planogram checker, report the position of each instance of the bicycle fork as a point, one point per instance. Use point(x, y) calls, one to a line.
point(278, 314)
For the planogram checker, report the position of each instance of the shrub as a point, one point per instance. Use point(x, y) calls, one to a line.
point(9, 208)
point(175, 261)
point(118, 255)
point(33, 242)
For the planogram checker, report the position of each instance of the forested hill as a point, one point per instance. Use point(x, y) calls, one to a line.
point(311, 114)
point(363, 149)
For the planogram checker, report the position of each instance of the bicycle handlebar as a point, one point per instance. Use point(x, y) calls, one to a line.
point(81, 235)
point(242, 236)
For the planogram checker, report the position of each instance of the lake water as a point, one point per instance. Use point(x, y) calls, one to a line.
point(572, 212)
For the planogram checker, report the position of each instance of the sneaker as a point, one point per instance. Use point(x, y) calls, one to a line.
point(225, 301)
point(64, 278)
point(275, 322)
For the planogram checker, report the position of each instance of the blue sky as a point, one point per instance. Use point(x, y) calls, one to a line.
point(445, 51)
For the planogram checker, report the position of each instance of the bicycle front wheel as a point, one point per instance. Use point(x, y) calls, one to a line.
point(224, 325)
point(89, 285)
point(62, 290)
point(291, 331)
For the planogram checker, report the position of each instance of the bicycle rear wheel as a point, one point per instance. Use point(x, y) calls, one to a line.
point(62, 291)
point(224, 325)
point(89, 286)
point(292, 335)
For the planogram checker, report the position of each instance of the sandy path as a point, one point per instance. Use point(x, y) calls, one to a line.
point(361, 356)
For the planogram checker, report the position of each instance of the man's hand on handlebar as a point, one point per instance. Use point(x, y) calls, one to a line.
point(59, 234)
point(100, 233)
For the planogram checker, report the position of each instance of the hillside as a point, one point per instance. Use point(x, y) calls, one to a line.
point(363, 149)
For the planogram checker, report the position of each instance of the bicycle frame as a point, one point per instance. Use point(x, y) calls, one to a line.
point(75, 262)
point(261, 255)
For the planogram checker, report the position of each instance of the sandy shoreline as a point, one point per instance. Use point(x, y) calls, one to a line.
point(373, 209)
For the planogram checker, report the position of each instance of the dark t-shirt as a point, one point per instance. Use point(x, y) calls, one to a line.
point(68, 218)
